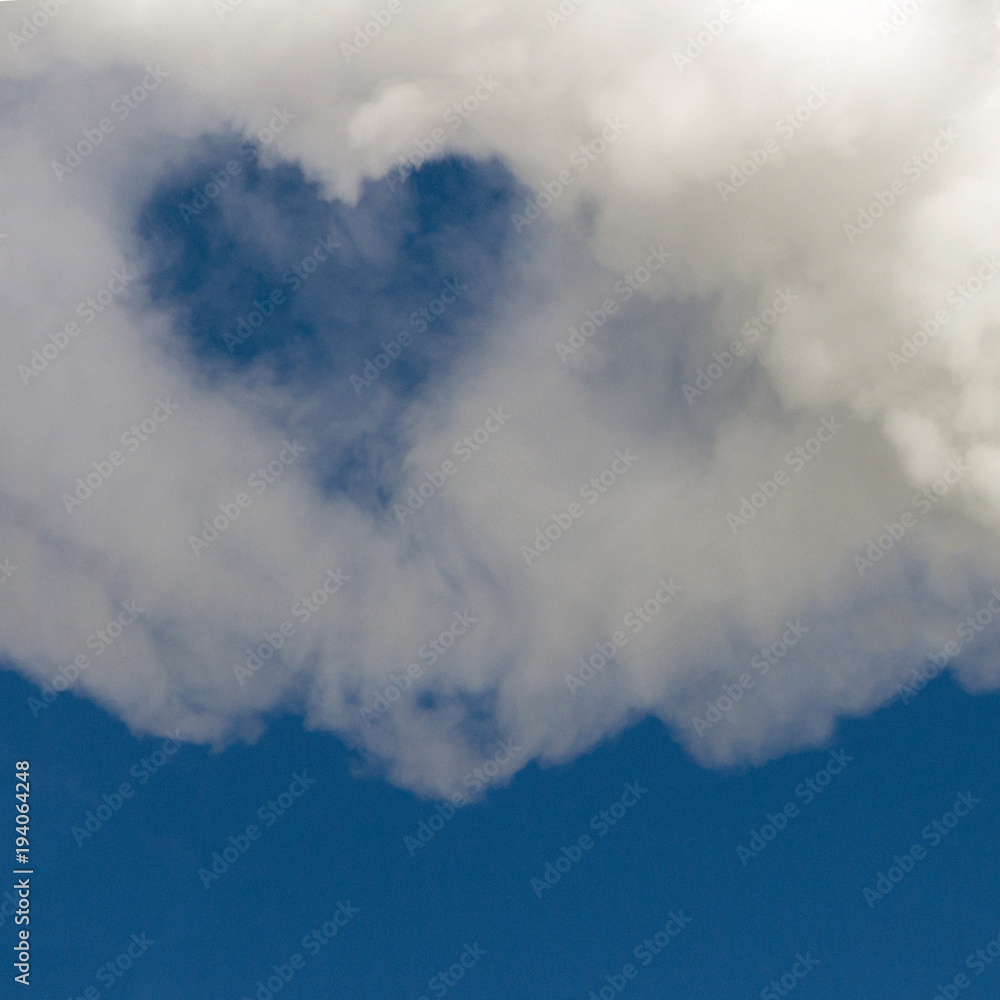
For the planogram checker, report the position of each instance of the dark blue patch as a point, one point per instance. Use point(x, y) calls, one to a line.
point(227, 255)
point(210, 258)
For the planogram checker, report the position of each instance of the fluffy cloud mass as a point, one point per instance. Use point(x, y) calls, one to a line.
point(728, 455)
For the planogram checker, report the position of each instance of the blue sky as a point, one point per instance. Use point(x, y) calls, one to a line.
point(430, 611)
point(674, 850)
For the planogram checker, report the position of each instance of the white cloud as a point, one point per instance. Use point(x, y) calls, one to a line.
point(862, 154)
